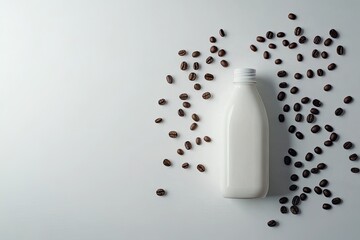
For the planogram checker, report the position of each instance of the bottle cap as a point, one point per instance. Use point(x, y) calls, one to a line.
point(244, 75)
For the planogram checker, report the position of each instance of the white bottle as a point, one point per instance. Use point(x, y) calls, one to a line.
point(245, 172)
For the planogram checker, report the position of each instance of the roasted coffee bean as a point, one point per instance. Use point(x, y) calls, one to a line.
point(355, 170)
point(206, 95)
point(339, 111)
point(328, 143)
point(306, 173)
point(209, 60)
point(196, 66)
point(298, 31)
point(222, 32)
point(209, 76)
point(336, 201)
point(315, 53)
point(281, 117)
point(298, 164)
point(318, 150)
point(321, 166)
point(285, 43)
point(183, 65)
point(284, 209)
point(333, 136)
point(317, 103)
point(294, 210)
point(294, 177)
point(320, 72)
point(287, 160)
point(293, 187)
point(314, 170)
point(317, 40)
point(296, 200)
point(305, 100)
point(309, 156)
point(278, 61)
point(324, 55)
point(282, 73)
point(283, 200)
point(314, 111)
point(299, 135)
point(292, 152)
point(310, 73)
point(272, 46)
point(224, 63)
point(292, 16)
point(266, 55)
point(160, 192)
point(212, 39)
point(281, 96)
point(310, 118)
point(214, 49)
point(302, 39)
point(185, 165)
point(181, 112)
point(180, 151)
point(294, 90)
point(340, 50)
point(193, 126)
point(167, 162)
point(260, 39)
point(298, 76)
point(195, 117)
point(272, 223)
point(195, 54)
point(280, 34)
point(292, 129)
point(253, 48)
point(221, 53)
point(328, 128)
point(333, 33)
point(353, 157)
point(200, 167)
point(184, 96)
point(315, 129)
point(286, 108)
point(323, 183)
point(269, 35)
point(198, 141)
point(306, 190)
point(299, 57)
point(207, 139)
point(158, 120)
point(299, 117)
point(283, 85)
point(297, 107)
point(292, 45)
point(162, 101)
point(318, 190)
point(331, 66)
point(188, 145)
point(348, 99)
point(173, 134)
point(197, 86)
point(326, 206)
point(303, 196)
point(192, 76)
point(182, 52)
point(328, 42)
point(169, 79)
point(348, 145)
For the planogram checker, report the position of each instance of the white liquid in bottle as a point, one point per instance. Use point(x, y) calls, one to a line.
point(245, 172)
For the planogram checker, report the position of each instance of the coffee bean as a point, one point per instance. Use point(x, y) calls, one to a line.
point(297, 107)
point(196, 66)
point(328, 42)
point(303, 196)
point(192, 76)
point(292, 129)
point(287, 160)
point(296, 200)
point(169, 79)
point(323, 183)
point(314, 111)
point(298, 76)
point(260, 39)
point(306, 190)
point(209, 76)
point(162, 101)
point(266, 55)
point(173, 134)
point(318, 150)
point(310, 73)
point(283, 200)
point(280, 34)
point(353, 157)
point(195, 54)
point(294, 90)
point(292, 152)
point(272, 223)
point(317, 40)
point(195, 117)
point(283, 209)
point(285, 43)
point(198, 141)
point(167, 162)
point(207, 139)
point(306, 173)
point(185, 165)
point(348, 145)
point(253, 48)
point(278, 61)
point(310, 118)
point(272, 46)
point(184, 96)
point(317, 103)
point(294, 177)
point(328, 128)
point(326, 206)
point(315, 53)
point(355, 170)
point(221, 53)
point(321, 166)
point(302, 39)
point(299, 135)
point(283, 85)
point(340, 50)
point(328, 143)
point(282, 73)
point(292, 16)
point(182, 52)
point(206, 95)
point(305, 100)
point(158, 120)
point(331, 66)
point(299, 117)
point(336, 201)
point(180, 151)
point(269, 35)
point(348, 99)
point(339, 111)
point(293, 187)
point(318, 190)
point(222, 32)
point(181, 112)
point(298, 31)
point(333, 33)
point(160, 192)
point(193, 126)
point(320, 72)
point(324, 54)
point(299, 57)
point(214, 49)
point(281, 117)
point(314, 170)
point(183, 65)
point(188, 145)
point(286, 108)
point(224, 63)
point(309, 156)
point(209, 60)
point(281, 96)
point(294, 210)
point(298, 164)
point(200, 167)
point(292, 45)
point(212, 39)
point(333, 137)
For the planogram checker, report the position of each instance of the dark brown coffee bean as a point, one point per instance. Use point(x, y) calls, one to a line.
point(287, 160)
point(197, 86)
point(169, 79)
point(198, 141)
point(183, 65)
point(296, 200)
point(299, 117)
point(326, 206)
point(272, 46)
point(209, 60)
point(283, 200)
point(183, 96)
point(280, 34)
point(292, 152)
point(224, 63)
point(315, 53)
point(353, 157)
point(167, 162)
point(260, 39)
point(200, 167)
point(294, 90)
point(292, 45)
point(323, 183)
point(310, 73)
point(282, 73)
point(266, 55)
point(286, 108)
point(192, 76)
point(222, 32)
point(193, 126)
point(318, 150)
point(195, 54)
point(293, 187)
point(321, 166)
point(283, 85)
point(320, 72)
point(196, 66)
point(310, 118)
point(285, 43)
point(292, 129)
point(182, 52)
point(281, 117)
point(297, 107)
point(195, 117)
point(303, 196)
point(272, 223)
point(333, 137)
point(355, 170)
point(158, 120)
point(185, 165)
point(278, 61)
point(317, 40)
point(294, 177)
point(327, 193)
point(302, 39)
point(336, 201)
point(214, 49)
point(160, 192)
point(173, 134)
point(188, 145)
point(340, 50)
point(348, 145)
point(181, 112)
point(333, 33)
point(317, 103)
point(306, 173)
point(309, 156)
point(324, 55)
point(297, 31)
point(180, 151)
point(339, 111)
point(298, 76)
point(328, 42)
point(269, 35)
point(206, 95)
point(209, 76)
point(314, 170)
point(292, 16)
point(299, 135)
point(331, 66)
point(294, 210)
point(281, 96)
point(298, 164)
point(221, 53)
point(162, 101)
point(328, 143)
point(284, 209)
point(314, 111)
point(207, 139)
point(328, 128)
point(348, 99)
point(253, 48)
point(299, 57)
point(212, 39)
point(305, 100)
point(306, 190)
point(318, 190)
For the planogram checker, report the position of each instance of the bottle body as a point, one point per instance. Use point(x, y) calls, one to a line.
point(245, 171)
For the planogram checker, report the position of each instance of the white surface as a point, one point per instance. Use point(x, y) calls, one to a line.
point(81, 157)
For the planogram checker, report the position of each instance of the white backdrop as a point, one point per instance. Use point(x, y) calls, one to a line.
point(81, 156)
